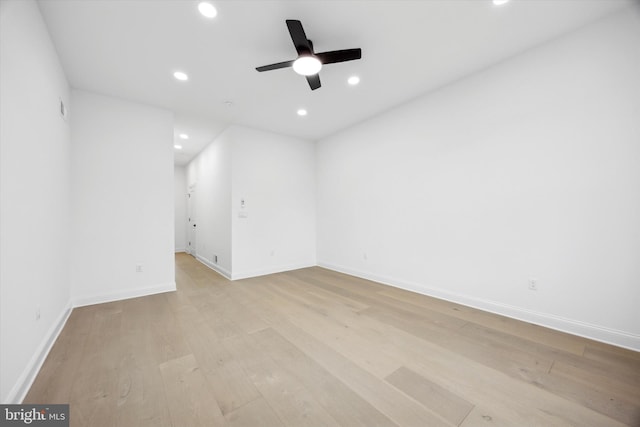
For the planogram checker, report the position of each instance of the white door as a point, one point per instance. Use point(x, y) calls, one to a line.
point(191, 222)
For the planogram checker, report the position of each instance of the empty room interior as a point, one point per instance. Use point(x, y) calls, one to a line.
point(321, 213)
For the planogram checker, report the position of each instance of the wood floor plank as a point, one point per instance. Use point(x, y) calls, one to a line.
point(448, 405)
point(315, 347)
point(482, 417)
point(95, 389)
point(352, 302)
point(590, 375)
point(374, 390)
point(379, 300)
point(222, 326)
point(417, 351)
point(589, 396)
point(242, 317)
point(257, 413)
point(502, 358)
point(55, 379)
point(251, 297)
point(466, 377)
point(559, 340)
point(613, 379)
point(190, 400)
point(345, 406)
point(151, 319)
point(516, 372)
point(523, 403)
point(625, 352)
point(378, 393)
point(287, 396)
point(229, 382)
point(357, 284)
point(335, 333)
point(141, 393)
point(614, 359)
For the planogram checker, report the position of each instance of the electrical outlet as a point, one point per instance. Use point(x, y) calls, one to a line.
point(533, 284)
point(215, 258)
point(38, 313)
point(364, 256)
point(139, 268)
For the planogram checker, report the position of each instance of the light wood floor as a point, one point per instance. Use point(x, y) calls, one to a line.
point(317, 348)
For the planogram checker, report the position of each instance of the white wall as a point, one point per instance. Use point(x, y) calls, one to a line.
point(209, 177)
point(34, 186)
point(180, 208)
point(275, 176)
point(529, 169)
point(122, 203)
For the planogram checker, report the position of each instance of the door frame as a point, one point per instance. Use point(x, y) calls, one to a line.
point(191, 221)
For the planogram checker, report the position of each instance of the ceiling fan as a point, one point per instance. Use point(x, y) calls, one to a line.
point(308, 62)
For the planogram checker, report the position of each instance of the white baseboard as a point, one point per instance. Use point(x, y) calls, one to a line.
point(215, 267)
point(571, 326)
point(180, 250)
point(25, 380)
point(254, 273)
point(125, 294)
point(270, 270)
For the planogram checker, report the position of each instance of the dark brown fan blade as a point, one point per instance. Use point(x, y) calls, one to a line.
point(314, 81)
point(276, 66)
point(339, 55)
point(298, 37)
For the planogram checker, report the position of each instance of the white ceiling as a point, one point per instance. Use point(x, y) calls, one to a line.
point(130, 48)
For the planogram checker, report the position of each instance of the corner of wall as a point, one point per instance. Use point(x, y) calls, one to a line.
point(30, 372)
point(84, 300)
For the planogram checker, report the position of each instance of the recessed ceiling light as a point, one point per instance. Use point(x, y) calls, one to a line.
point(207, 9)
point(500, 2)
point(307, 65)
point(177, 147)
point(302, 112)
point(353, 80)
point(183, 136)
point(181, 76)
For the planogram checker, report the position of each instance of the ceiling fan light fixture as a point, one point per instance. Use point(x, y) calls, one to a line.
point(307, 65)
point(207, 10)
point(182, 76)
